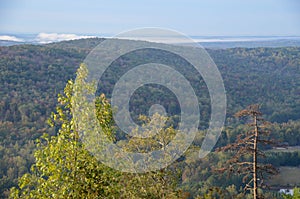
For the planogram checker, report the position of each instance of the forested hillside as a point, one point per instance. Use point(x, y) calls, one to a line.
point(31, 76)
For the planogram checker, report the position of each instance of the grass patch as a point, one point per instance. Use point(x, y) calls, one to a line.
point(288, 176)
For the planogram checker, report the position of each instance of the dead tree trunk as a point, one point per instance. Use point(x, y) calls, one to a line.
point(248, 143)
point(255, 157)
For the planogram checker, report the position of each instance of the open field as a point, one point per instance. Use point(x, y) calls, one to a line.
point(286, 149)
point(288, 176)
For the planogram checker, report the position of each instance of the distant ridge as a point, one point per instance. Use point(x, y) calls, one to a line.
point(220, 42)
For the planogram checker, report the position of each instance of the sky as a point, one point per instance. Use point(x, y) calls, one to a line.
point(192, 17)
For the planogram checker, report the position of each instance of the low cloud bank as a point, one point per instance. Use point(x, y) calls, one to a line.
point(10, 38)
point(44, 38)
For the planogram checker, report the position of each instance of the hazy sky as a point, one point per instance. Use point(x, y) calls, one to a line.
point(192, 17)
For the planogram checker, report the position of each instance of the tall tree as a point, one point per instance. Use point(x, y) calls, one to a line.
point(63, 167)
point(153, 184)
point(246, 151)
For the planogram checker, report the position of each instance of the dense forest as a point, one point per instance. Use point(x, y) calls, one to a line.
point(32, 76)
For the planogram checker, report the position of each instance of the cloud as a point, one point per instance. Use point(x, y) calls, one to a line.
point(10, 38)
point(44, 38)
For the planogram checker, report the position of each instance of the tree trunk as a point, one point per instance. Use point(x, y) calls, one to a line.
point(255, 158)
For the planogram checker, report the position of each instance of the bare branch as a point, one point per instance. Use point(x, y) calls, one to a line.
point(246, 145)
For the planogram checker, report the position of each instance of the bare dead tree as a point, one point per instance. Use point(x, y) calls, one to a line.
point(246, 152)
